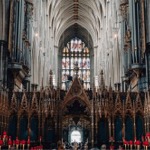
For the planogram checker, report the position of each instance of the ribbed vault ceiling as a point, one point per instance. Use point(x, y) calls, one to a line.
point(75, 31)
point(76, 18)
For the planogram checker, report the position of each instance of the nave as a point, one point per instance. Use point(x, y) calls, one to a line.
point(74, 74)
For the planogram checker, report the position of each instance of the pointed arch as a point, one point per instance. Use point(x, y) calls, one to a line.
point(118, 128)
point(23, 126)
point(12, 126)
point(34, 127)
point(103, 130)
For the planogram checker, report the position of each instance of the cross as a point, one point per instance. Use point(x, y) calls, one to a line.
point(76, 68)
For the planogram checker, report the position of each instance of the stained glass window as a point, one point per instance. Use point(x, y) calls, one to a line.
point(76, 52)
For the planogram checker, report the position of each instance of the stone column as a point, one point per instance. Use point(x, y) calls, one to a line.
point(147, 3)
point(134, 126)
point(2, 44)
point(34, 87)
point(95, 61)
point(56, 64)
point(15, 30)
point(124, 127)
point(142, 22)
point(148, 125)
point(18, 24)
point(18, 125)
point(123, 120)
point(134, 31)
point(113, 128)
point(145, 123)
point(110, 123)
point(92, 123)
point(39, 124)
point(96, 127)
point(43, 121)
point(29, 120)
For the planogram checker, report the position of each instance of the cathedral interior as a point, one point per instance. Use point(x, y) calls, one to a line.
point(75, 74)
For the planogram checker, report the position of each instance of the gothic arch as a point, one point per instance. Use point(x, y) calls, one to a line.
point(81, 100)
point(76, 92)
point(34, 126)
point(118, 124)
point(12, 128)
point(23, 125)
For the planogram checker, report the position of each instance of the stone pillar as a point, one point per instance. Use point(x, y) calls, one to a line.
point(60, 128)
point(123, 120)
point(147, 21)
point(43, 121)
point(110, 123)
point(148, 125)
point(145, 124)
point(2, 45)
point(134, 31)
point(56, 51)
point(92, 123)
point(34, 87)
point(124, 131)
point(134, 126)
point(39, 124)
point(29, 119)
point(18, 125)
point(95, 61)
point(113, 128)
point(18, 24)
point(142, 22)
point(1, 62)
point(15, 30)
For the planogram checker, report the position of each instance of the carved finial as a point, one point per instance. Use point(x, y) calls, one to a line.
point(34, 103)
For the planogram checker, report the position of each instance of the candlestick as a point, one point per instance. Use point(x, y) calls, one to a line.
point(17, 146)
point(146, 147)
point(28, 146)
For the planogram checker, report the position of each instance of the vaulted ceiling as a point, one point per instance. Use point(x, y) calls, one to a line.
point(76, 18)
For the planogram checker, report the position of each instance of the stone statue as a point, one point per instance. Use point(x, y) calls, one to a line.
point(127, 38)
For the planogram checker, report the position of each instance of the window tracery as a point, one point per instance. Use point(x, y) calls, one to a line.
point(76, 52)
